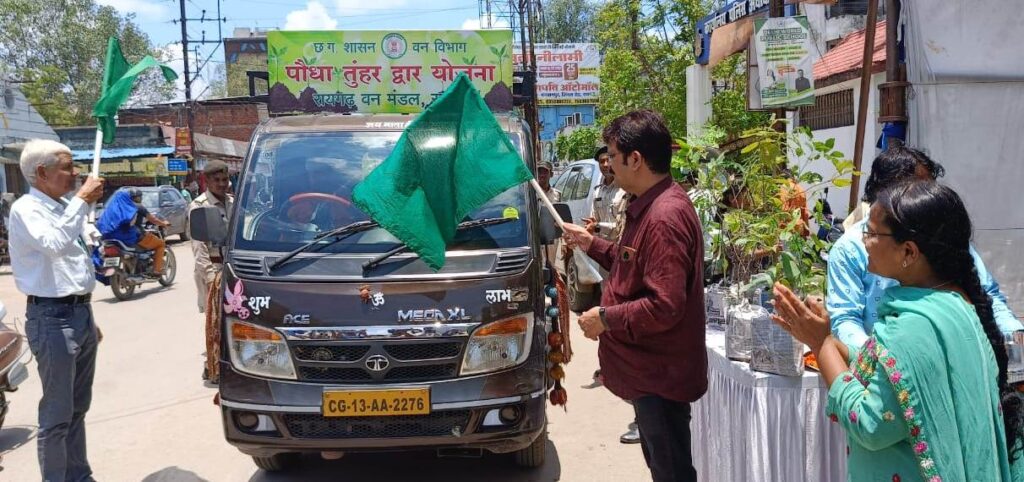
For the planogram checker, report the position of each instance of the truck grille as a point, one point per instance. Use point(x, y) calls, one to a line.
point(314, 426)
point(424, 351)
point(342, 353)
point(407, 361)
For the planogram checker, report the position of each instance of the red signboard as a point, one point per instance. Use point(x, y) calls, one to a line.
point(182, 140)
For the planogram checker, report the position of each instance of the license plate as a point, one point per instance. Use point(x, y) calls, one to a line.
point(111, 262)
point(17, 375)
point(370, 403)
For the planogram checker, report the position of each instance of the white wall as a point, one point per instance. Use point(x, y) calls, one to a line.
point(845, 137)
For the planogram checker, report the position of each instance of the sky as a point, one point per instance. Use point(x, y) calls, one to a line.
point(155, 17)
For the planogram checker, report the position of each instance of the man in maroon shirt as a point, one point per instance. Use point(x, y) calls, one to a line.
point(651, 320)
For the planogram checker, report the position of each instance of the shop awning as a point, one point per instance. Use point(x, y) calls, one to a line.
point(122, 152)
point(220, 146)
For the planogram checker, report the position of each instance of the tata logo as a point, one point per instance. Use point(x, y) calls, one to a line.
point(377, 363)
point(419, 316)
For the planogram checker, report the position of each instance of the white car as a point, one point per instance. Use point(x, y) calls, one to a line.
point(576, 184)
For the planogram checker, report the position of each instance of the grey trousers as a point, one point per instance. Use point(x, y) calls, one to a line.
point(63, 339)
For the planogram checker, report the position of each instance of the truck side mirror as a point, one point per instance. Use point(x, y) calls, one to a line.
point(206, 224)
point(549, 230)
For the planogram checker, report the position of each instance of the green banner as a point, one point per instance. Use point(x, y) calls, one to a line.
point(785, 61)
point(384, 71)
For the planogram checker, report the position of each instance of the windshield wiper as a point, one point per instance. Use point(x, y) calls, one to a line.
point(337, 233)
point(476, 223)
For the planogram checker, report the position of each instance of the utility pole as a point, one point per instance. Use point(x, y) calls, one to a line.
point(189, 114)
point(865, 94)
point(535, 121)
point(776, 8)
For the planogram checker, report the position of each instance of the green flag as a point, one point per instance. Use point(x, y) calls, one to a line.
point(118, 80)
point(449, 161)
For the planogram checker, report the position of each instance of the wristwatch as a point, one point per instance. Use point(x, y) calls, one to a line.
point(600, 312)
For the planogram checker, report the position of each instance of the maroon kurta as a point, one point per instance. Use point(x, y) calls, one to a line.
point(654, 299)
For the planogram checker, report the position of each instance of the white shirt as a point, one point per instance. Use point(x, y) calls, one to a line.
point(47, 256)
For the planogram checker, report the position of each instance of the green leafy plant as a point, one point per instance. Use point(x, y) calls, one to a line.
point(761, 235)
point(578, 144)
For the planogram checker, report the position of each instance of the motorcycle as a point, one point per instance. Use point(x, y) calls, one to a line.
point(13, 370)
point(129, 266)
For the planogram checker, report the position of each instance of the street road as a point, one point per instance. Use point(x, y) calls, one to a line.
point(153, 420)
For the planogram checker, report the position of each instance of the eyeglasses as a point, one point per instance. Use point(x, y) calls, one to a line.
point(869, 233)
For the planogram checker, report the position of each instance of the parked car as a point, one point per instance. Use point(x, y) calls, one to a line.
point(166, 203)
point(577, 183)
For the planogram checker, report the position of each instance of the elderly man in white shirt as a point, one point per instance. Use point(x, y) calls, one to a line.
point(53, 268)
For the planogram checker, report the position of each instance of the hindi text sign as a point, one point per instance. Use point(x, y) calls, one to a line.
point(567, 74)
point(384, 71)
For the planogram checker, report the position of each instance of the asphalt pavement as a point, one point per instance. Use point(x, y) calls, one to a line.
point(154, 420)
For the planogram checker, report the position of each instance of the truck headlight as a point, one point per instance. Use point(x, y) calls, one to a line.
point(497, 345)
point(259, 351)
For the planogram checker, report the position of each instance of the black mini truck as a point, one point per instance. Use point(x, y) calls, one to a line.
point(336, 338)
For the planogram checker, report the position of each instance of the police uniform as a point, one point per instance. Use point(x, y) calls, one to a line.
point(609, 211)
point(209, 259)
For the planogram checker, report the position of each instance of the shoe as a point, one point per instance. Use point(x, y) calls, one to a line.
point(632, 436)
point(597, 383)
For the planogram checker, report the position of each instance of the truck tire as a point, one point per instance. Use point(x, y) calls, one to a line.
point(533, 456)
point(276, 462)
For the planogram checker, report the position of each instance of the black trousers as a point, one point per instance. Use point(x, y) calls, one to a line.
point(665, 438)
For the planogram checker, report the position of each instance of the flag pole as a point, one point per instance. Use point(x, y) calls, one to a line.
point(96, 167)
point(96, 153)
point(547, 203)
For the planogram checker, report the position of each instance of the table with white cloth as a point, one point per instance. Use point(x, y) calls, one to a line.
point(759, 427)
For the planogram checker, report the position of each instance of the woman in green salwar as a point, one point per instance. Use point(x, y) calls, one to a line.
point(926, 398)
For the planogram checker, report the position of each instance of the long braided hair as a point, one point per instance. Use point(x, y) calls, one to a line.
point(934, 217)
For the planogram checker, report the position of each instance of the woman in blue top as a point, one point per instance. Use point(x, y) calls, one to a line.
point(855, 293)
point(926, 397)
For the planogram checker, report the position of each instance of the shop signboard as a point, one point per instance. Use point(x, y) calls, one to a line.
point(567, 74)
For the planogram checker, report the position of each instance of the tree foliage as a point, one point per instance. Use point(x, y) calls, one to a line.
point(647, 48)
point(567, 21)
point(218, 83)
point(61, 45)
point(729, 105)
point(579, 144)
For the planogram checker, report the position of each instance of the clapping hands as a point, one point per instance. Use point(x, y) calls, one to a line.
point(807, 320)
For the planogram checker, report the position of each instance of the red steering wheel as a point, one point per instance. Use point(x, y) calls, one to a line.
point(293, 208)
point(317, 196)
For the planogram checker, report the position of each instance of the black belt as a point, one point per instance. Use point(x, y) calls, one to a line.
point(64, 300)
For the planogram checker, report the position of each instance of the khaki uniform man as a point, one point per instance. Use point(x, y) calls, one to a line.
point(209, 260)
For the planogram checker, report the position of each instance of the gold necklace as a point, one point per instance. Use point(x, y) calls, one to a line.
point(940, 285)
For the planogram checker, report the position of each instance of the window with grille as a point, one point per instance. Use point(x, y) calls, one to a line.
point(572, 120)
point(829, 111)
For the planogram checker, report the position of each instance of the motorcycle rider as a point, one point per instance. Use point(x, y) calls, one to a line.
point(123, 218)
point(149, 240)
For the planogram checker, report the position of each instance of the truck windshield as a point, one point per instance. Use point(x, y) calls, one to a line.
point(300, 184)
